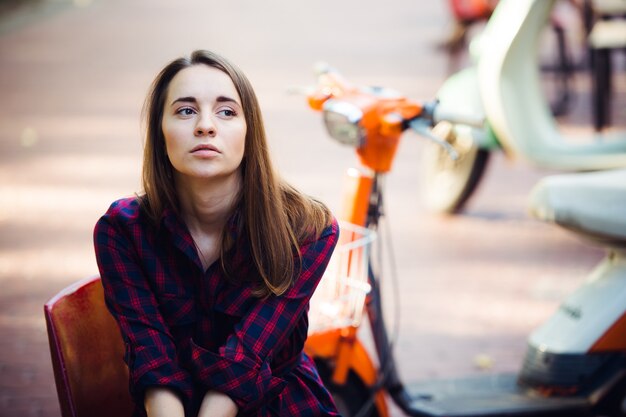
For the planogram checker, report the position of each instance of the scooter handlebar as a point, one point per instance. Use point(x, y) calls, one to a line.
point(422, 127)
point(458, 118)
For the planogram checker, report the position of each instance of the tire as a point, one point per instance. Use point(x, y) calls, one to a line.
point(351, 397)
point(447, 184)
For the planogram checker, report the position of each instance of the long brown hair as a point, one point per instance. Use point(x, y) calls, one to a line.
point(276, 217)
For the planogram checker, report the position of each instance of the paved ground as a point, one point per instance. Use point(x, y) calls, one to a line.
point(73, 77)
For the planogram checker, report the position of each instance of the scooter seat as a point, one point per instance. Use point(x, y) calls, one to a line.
point(592, 204)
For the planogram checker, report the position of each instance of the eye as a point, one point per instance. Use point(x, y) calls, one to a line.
point(227, 113)
point(185, 111)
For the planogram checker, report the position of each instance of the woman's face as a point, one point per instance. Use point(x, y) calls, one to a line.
point(203, 124)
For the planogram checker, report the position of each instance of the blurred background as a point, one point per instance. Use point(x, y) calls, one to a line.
point(73, 77)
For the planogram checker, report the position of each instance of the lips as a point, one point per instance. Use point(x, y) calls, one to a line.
point(205, 147)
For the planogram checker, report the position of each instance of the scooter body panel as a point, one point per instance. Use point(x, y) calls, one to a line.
point(587, 314)
point(593, 205)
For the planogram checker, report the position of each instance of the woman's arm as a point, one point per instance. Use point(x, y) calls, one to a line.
point(217, 404)
point(150, 350)
point(162, 402)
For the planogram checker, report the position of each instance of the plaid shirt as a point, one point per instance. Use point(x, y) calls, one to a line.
point(193, 330)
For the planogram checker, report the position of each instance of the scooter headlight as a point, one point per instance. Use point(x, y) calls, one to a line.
point(342, 121)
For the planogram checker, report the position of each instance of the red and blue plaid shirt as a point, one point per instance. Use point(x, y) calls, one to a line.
point(194, 330)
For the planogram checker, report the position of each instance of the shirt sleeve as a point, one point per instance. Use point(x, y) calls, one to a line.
point(240, 368)
point(150, 350)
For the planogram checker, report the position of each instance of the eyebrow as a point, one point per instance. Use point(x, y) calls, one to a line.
point(191, 99)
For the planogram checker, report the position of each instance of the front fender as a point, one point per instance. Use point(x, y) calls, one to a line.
point(347, 353)
point(460, 94)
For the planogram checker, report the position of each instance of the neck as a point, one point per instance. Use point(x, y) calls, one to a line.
point(206, 205)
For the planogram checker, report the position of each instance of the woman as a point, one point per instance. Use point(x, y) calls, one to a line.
point(210, 271)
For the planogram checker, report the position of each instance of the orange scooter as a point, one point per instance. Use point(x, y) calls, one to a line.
point(560, 382)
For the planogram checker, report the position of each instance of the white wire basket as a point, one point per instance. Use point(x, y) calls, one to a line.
point(339, 299)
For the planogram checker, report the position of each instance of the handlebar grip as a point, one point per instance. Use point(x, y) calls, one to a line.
point(456, 117)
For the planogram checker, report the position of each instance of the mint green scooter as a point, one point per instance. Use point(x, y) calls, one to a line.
point(506, 110)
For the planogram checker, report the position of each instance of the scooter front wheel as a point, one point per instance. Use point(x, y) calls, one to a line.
point(352, 398)
point(447, 184)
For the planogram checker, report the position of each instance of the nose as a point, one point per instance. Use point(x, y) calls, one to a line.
point(205, 127)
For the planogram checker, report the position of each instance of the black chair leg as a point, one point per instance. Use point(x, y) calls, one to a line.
point(601, 89)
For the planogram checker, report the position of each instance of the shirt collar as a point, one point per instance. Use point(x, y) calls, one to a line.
point(173, 222)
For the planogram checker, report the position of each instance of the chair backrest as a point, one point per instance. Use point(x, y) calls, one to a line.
point(87, 353)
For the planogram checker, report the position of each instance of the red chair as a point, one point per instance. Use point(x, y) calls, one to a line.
point(466, 13)
point(471, 11)
point(87, 353)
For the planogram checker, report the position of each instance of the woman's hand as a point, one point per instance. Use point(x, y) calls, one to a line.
point(217, 404)
point(162, 402)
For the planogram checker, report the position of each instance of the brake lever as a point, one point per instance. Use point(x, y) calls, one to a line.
point(422, 127)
